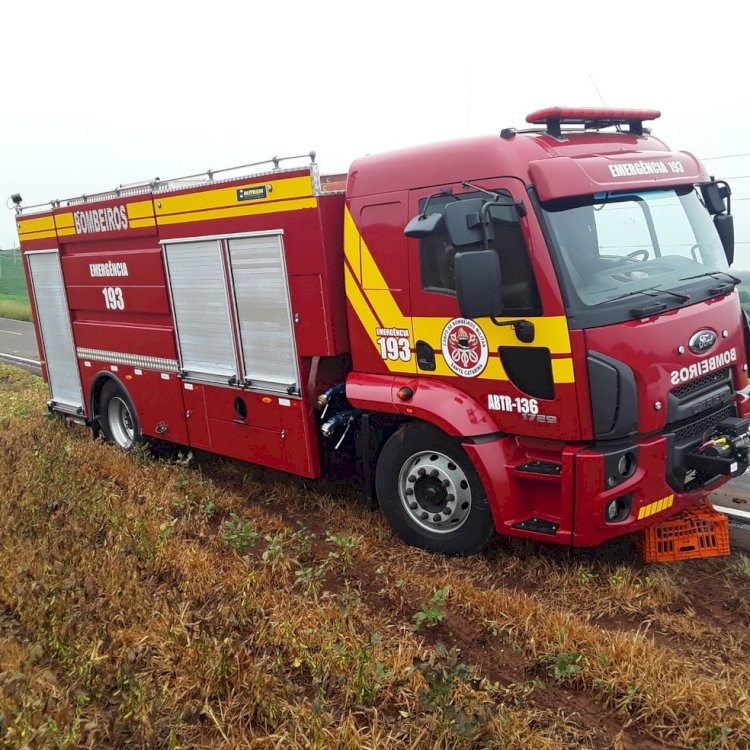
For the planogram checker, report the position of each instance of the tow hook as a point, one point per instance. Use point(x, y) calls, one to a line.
point(725, 451)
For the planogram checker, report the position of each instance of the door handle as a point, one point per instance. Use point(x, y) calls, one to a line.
point(425, 356)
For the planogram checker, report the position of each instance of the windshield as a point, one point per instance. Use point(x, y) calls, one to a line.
point(615, 249)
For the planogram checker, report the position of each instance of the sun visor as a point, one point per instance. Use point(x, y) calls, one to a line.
point(566, 176)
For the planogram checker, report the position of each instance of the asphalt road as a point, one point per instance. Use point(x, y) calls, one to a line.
point(18, 346)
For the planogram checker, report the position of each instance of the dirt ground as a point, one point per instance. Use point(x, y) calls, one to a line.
point(205, 603)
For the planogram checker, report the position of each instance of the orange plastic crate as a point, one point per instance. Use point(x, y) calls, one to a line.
point(693, 533)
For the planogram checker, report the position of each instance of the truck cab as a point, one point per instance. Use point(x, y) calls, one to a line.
point(561, 309)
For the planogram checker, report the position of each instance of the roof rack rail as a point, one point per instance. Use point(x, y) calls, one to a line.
point(592, 118)
point(156, 184)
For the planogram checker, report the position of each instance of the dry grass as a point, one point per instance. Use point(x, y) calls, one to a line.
point(136, 611)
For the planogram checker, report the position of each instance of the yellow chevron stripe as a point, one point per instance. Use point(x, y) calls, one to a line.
point(656, 507)
point(64, 221)
point(26, 236)
point(138, 223)
point(370, 323)
point(551, 331)
point(249, 210)
point(37, 228)
point(562, 371)
point(212, 198)
point(351, 245)
point(37, 224)
point(140, 210)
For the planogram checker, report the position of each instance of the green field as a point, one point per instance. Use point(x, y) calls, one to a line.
point(17, 308)
point(14, 297)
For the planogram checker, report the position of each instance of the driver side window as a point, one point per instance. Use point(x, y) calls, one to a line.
point(436, 258)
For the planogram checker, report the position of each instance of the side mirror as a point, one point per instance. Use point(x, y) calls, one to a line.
point(478, 283)
point(724, 224)
point(423, 225)
point(464, 223)
point(716, 197)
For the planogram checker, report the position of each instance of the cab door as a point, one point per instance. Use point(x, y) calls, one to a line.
point(523, 383)
point(377, 284)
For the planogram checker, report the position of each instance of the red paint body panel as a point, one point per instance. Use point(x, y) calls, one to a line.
point(155, 395)
point(554, 178)
point(152, 341)
point(647, 486)
point(439, 403)
point(649, 347)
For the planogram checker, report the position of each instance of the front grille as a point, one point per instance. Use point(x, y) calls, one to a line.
point(698, 385)
point(699, 427)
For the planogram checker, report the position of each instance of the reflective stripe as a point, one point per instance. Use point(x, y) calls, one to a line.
point(656, 507)
point(135, 360)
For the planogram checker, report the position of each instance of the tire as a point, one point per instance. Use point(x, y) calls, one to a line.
point(430, 492)
point(118, 418)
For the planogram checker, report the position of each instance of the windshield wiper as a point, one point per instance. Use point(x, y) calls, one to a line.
point(715, 275)
point(655, 289)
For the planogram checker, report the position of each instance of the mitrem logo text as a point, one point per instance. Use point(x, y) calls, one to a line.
point(111, 219)
point(108, 269)
point(703, 367)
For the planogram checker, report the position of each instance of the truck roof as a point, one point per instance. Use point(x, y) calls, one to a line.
point(522, 155)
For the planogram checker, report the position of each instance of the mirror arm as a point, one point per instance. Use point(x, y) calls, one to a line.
point(524, 329)
point(441, 194)
point(518, 205)
point(729, 202)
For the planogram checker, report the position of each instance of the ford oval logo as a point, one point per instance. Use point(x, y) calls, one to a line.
point(702, 341)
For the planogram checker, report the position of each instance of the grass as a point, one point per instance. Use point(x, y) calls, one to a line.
point(147, 604)
point(15, 308)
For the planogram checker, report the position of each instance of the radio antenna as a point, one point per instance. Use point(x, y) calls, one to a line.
point(596, 88)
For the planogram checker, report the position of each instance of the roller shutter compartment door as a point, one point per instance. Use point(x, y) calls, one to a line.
point(261, 290)
point(57, 335)
point(200, 304)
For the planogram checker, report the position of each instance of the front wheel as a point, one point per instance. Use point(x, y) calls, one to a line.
point(430, 492)
point(118, 417)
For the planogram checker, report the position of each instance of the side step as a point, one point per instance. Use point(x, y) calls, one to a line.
point(539, 525)
point(546, 471)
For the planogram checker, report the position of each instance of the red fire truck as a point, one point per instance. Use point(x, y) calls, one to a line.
point(533, 333)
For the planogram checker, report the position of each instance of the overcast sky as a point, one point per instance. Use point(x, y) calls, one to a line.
point(102, 93)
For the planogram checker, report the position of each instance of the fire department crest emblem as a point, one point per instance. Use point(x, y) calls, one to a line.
point(464, 347)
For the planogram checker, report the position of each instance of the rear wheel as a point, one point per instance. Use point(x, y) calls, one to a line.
point(118, 417)
point(430, 492)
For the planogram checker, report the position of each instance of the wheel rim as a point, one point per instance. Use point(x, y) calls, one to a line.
point(435, 492)
point(121, 422)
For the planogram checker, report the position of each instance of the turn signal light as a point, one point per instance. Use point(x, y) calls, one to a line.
point(404, 394)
